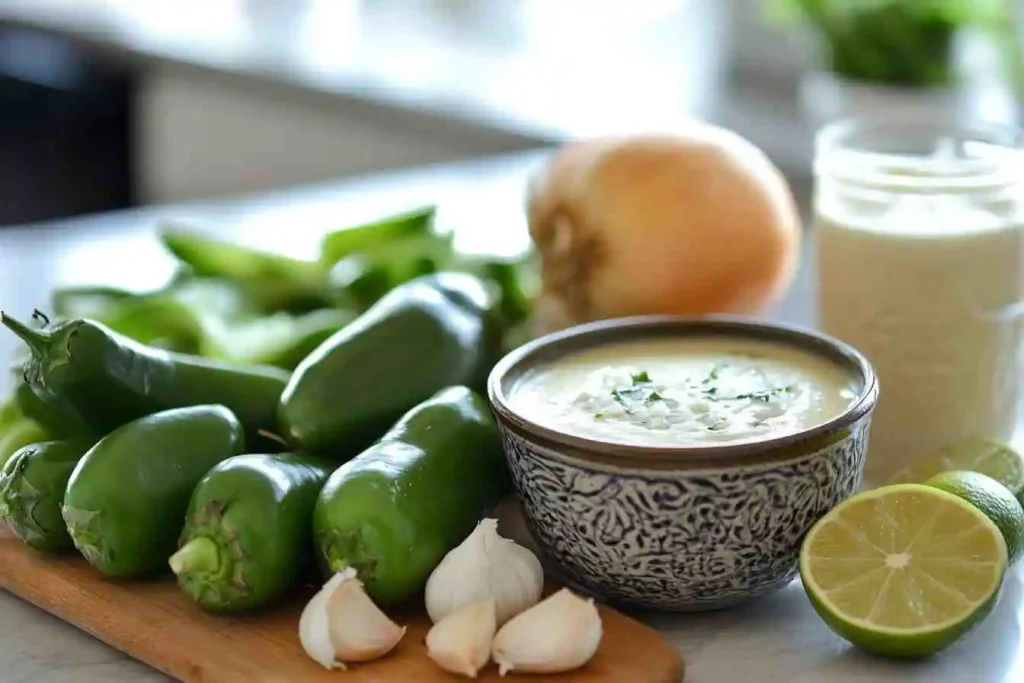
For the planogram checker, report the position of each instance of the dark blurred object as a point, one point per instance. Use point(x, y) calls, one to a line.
point(65, 130)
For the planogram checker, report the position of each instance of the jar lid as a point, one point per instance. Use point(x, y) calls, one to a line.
point(921, 156)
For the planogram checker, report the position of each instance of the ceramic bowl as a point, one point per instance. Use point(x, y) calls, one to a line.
point(680, 528)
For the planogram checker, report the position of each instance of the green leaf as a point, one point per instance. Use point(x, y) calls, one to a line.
point(640, 377)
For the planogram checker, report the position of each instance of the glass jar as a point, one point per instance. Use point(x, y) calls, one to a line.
point(919, 230)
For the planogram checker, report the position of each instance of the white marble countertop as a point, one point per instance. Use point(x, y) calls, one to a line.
point(778, 638)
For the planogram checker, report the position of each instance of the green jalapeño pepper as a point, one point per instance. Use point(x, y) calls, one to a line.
point(126, 499)
point(61, 424)
point(17, 430)
point(395, 510)
point(107, 379)
point(435, 331)
point(270, 281)
point(246, 538)
point(32, 485)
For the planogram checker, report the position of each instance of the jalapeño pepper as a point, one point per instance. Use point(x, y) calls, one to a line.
point(435, 331)
point(395, 510)
point(106, 379)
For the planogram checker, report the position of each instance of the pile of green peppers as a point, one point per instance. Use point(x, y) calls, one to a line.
point(261, 415)
point(233, 302)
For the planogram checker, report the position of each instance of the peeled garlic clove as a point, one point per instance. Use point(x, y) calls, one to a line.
point(560, 633)
point(359, 630)
point(461, 642)
point(485, 566)
point(341, 624)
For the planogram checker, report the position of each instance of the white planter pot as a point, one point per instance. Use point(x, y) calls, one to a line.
point(826, 97)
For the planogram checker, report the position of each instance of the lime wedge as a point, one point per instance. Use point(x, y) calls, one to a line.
point(903, 570)
point(974, 454)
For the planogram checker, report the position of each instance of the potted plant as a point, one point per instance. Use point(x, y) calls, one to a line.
point(930, 57)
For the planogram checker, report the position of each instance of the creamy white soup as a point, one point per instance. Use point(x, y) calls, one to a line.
point(684, 391)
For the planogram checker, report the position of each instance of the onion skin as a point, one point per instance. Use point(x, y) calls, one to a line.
point(696, 222)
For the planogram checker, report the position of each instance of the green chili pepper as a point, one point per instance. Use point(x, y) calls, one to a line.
point(60, 423)
point(80, 302)
point(127, 497)
point(247, 531)
point(435, 331)
point(281, 339)
point(394, 510)
point(359, 280)
point(32, 485)
point(369, 236)
point(270, 281)
point(10, 411)
point(107, 379)
point(19, 433)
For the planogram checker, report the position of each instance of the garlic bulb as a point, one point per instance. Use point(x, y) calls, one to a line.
point(483, 566)
point(461, 642)
point(560, 633)
point(340, 624)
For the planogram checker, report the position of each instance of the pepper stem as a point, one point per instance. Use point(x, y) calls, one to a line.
point(37, 341)
point(200, 555)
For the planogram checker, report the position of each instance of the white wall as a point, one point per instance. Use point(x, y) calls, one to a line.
point(202, 135)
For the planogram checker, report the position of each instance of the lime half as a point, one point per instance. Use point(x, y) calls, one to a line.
point(903, 570)
point(974, 454)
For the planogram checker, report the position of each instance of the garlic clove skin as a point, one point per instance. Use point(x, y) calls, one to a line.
point(485, 565)
point(341, 624)
point(558, 634)
point(359, 630)
point(460, 643)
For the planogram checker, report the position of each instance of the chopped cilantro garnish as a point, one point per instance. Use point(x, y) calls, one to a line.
point(640, 377)
point(763, 396)
point(712, 375)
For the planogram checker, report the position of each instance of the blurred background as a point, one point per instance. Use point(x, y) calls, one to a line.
point(107, 104)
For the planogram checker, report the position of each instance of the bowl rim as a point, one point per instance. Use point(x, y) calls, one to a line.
point(749, 328)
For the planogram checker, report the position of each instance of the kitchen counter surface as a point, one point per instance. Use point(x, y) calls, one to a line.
point(776, 639)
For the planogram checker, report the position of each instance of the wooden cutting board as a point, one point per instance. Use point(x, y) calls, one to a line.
point(154, 622)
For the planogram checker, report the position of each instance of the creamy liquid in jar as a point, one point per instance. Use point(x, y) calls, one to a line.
point(922, 270)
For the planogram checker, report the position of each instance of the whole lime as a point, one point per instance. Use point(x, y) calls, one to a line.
point(992, 498)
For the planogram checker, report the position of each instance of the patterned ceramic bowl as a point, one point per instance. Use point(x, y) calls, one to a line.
point(680, 528)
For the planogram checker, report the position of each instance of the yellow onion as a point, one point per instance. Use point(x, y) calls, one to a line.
point(692, 223)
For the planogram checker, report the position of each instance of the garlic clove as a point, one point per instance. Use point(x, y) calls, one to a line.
point(341, 624)
point(461, 642)
point(314, 632)
point(485, 565)
point(359, 630)
point(558, 634)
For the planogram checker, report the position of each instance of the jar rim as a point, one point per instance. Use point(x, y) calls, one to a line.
point(918, 155)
